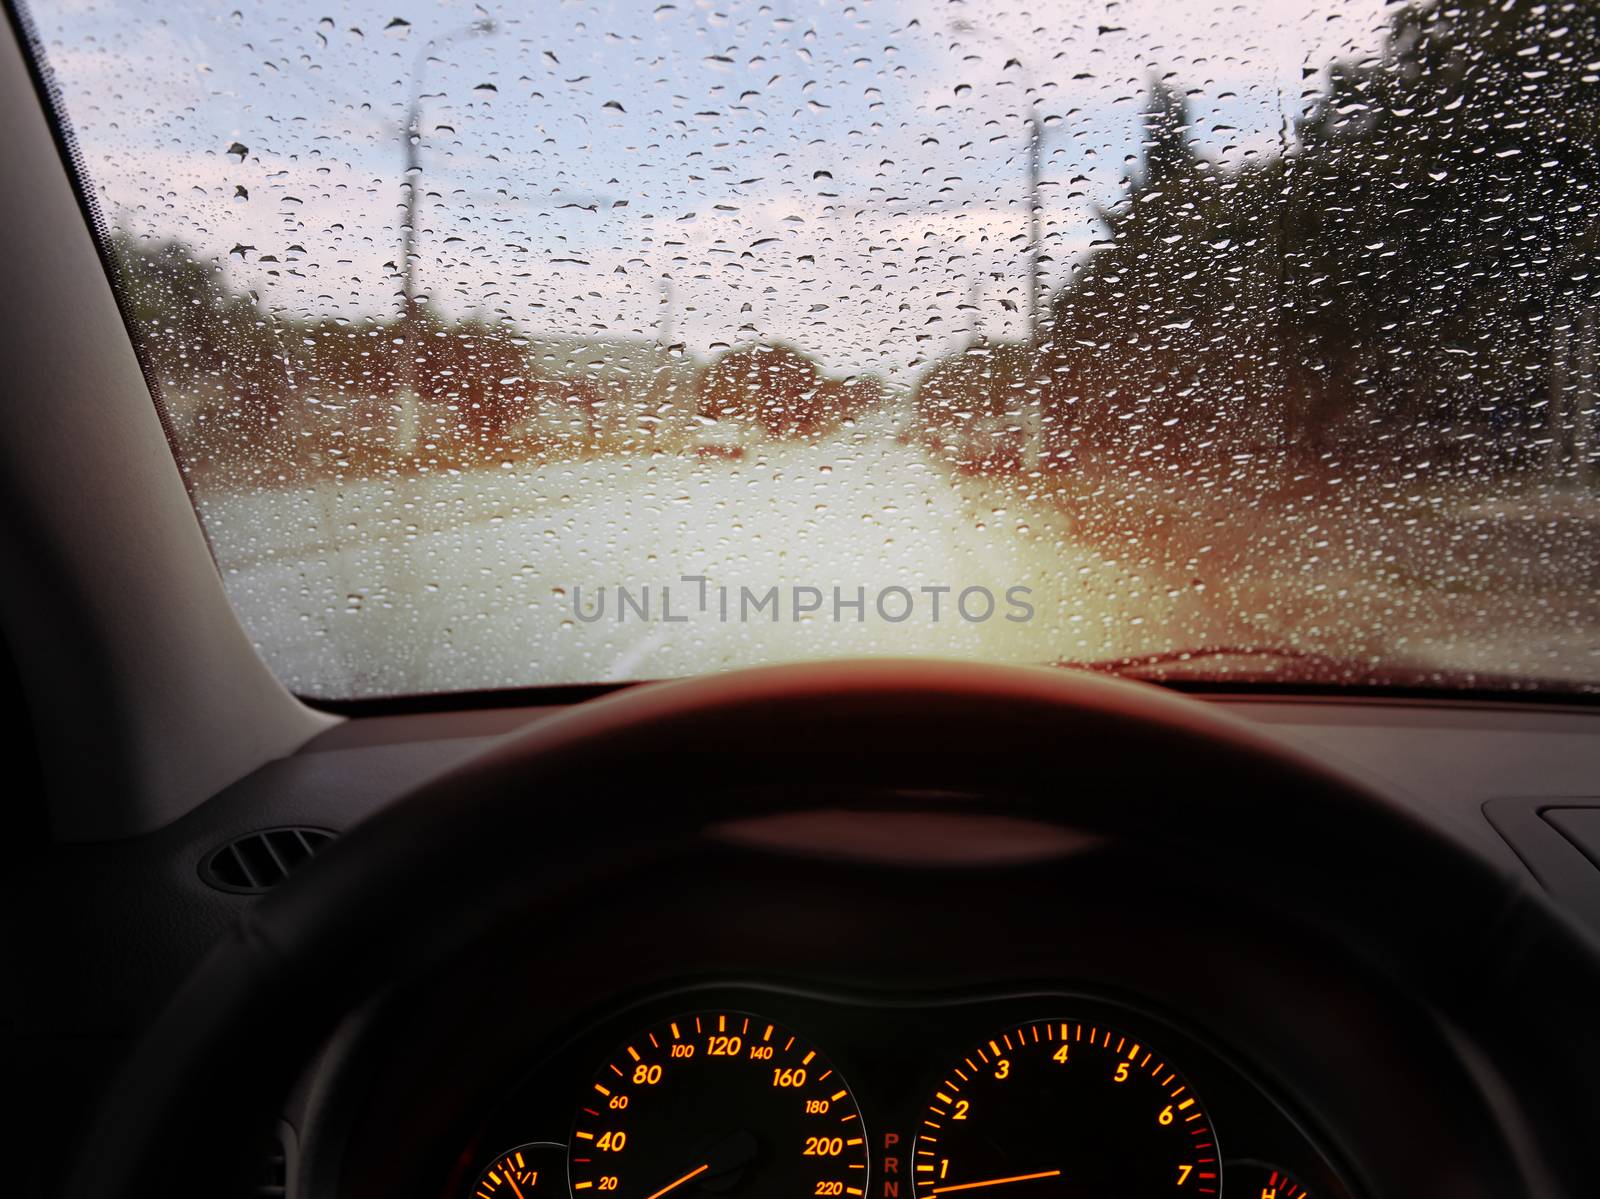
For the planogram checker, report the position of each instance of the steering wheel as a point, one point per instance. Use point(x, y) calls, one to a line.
point(625, 775)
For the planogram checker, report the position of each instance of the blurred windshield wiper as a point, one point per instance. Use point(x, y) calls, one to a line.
point(1308, 667)
point(1162, 661)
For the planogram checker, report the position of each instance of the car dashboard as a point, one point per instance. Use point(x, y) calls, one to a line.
point(902, 1006)
point(898, 960)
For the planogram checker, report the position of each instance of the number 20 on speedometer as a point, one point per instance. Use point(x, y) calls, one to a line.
point(718, 1103)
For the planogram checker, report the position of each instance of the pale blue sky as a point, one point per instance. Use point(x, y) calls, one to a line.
point(846, 176)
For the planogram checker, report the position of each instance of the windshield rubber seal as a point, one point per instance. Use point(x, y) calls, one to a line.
point(566, 694)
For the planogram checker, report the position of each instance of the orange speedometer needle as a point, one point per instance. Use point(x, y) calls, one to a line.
point(695, 1173)
point(987, 1182)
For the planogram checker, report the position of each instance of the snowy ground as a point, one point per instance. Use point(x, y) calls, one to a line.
point(469, 581)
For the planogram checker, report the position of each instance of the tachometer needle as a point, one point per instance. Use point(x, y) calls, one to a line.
point(987, 1182)
point(695, 1173)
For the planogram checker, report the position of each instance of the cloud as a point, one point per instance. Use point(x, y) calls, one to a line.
point(852, 180)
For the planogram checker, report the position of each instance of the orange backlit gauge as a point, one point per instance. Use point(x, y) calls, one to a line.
point(1060, 1109)
point(537, 1169)
point(1253, 1180)
point(718, 1103)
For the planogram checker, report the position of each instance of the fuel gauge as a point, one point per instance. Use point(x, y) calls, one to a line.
point(538, 1168)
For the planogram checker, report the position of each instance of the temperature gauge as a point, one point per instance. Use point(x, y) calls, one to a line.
point(1256, 1180)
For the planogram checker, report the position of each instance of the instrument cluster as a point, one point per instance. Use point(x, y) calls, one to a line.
point(726, 1091)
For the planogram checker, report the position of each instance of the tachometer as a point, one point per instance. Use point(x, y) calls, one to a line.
point(1058, 1109)
point(720, 1103)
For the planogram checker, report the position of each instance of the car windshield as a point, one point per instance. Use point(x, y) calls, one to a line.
point(514, 345)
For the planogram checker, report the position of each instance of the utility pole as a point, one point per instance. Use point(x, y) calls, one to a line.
point(668, 312)
point(1034, 129)
point(411, 144)
point(1032, 418)
point(411, 147)
point(406, 431)
point(407, 415)
point(1035, 249)
point(974, 308)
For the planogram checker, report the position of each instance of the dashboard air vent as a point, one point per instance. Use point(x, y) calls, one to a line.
point(275, 1178)
point(273, 1181)
point(256, 862)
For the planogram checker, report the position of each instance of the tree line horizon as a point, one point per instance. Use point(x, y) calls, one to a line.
point(1413, 281)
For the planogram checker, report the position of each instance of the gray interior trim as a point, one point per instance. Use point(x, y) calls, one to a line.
point(146, 693)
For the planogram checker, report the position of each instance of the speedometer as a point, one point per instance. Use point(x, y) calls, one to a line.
point(720, 1103)
point(1061, 1108)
